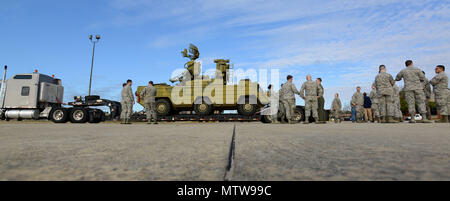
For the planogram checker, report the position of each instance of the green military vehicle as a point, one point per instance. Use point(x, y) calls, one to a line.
point(204, 96)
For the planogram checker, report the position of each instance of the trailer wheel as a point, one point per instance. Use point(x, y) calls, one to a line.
point(247, 108)
point(266, 119)
point(203, 108)
point(97, 118)
point(78, 115)
point(299, 115)
point(163, 107)
point(58, 115)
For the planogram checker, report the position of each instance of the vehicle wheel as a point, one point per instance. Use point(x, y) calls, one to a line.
point(163, 107)
point(267, 119)
point(78, 115)
point(93, 119)
point(247, 109)
point(203, 108)
point(299, 115)
point(58, 115)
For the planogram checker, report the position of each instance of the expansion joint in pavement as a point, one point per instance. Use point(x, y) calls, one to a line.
point(230, 165)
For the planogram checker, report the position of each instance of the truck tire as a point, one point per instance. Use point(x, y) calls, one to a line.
point(267, 119)
point(203, 108)
point(163, 107)
point(78, 115)
point(299, 115)
point(94, 119)
point(58, 115)
point(247, 109)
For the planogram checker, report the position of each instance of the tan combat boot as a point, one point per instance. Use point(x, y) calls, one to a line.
point(383, 119)
point(424, 119)
point(377, 119)
point(391, 120)
point(443, 120)
point(316, 121)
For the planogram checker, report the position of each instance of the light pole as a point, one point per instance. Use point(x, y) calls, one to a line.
point(97, 37)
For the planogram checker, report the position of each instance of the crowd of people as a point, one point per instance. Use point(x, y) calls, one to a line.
point(382, 105)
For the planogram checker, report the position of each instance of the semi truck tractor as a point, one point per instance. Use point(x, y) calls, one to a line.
point(38, 96)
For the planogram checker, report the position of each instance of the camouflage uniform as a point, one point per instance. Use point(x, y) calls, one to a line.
point(413, 89)
point(384, 82)
point(336, 108)
point(274, 102)
point(375, 103)
point(397, 107)
point(127, 103)
point(427, 91)
point(288, 100)
point(448, 101)
point(281, 110)
point(309, 92)
point(440, 88)
point(320, 103)
point(358, 103)
point(149, 93)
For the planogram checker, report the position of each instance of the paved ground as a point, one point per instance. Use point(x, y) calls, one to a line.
point(199, 151)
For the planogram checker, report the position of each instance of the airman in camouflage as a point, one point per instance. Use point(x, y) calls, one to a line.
point(288, 99)
point(414, 93)
point(274, 102)
point(127, 102)
point(427, 91)
point(440, 88)
point(149, 94)
point(384, 83)
point(375, 103)
point(397, 107)
point(358, 102)
point(336, 108)
point(281, 110)
point(320, 101)
point(309, 92)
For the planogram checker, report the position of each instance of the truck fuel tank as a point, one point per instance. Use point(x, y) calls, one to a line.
point(22, 114)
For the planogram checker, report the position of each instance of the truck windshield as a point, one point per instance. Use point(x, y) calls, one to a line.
point(22, 77)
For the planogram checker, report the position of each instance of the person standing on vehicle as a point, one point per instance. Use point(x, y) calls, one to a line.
point(289, 91)
point(309, 92)
point(414, 93)
point(336, 108)
point(149, 94)
point(127, 102)
point(440, 88)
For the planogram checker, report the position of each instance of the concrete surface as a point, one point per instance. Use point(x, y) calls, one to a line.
point(199, 151)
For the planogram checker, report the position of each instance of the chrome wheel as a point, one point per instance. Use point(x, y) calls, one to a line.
point(78, 115)
point(58, 115)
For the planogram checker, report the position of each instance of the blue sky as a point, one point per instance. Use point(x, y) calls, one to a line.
point(342, 42)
